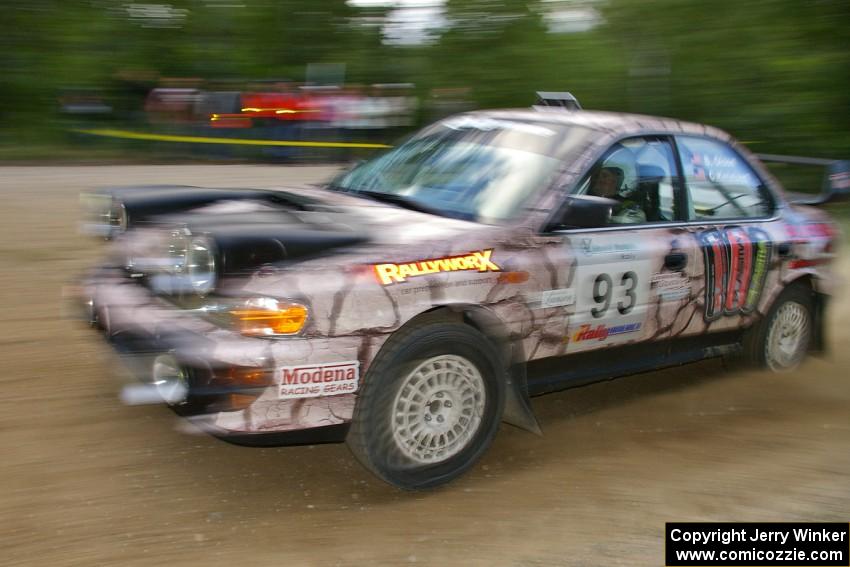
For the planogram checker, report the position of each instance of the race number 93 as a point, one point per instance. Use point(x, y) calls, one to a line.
point(606, 287)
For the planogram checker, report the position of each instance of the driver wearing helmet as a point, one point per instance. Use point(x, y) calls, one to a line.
point(616, 178)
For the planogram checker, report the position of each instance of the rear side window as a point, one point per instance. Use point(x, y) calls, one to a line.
point(721, 185)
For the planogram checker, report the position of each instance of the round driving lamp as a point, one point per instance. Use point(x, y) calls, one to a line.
point(118, 217)
point(200, 265)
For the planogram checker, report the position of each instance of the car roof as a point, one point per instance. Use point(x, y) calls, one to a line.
point(613, 123)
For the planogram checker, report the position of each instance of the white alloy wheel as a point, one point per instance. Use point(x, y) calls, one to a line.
point(788, 337)
point(438, 409)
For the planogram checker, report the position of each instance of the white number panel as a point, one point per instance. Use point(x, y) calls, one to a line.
point(612, 280)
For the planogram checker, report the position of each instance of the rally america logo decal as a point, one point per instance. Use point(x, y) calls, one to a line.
point(314, 380)
point(736, 266)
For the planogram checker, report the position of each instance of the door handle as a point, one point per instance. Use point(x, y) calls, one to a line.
point(676, 261)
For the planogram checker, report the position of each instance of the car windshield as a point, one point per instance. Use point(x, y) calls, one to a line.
point(467, 167)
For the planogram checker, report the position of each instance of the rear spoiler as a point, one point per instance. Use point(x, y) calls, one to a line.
point(836, 178)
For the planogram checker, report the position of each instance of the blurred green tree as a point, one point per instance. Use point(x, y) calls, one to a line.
point(775, 73)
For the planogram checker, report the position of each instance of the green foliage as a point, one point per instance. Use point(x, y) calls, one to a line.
point(775, 73)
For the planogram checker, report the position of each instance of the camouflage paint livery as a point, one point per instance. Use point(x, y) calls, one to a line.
point(549, 295)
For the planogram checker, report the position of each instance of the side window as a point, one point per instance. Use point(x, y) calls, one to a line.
point(640, 174)
point(721, 185)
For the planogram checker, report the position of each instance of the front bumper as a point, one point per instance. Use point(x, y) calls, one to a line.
point(141, 327)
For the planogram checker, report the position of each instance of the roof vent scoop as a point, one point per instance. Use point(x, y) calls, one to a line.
point(563, 100)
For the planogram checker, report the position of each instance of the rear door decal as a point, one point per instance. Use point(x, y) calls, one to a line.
point(736, 265)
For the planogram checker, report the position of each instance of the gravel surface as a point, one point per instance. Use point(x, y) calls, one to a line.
point(88, 481)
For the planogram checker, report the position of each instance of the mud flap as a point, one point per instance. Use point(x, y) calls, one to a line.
point(819, 343)
point(518, 411)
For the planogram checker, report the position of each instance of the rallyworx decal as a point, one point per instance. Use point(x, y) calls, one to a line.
point(313, 380)
point(736, 264)
point(478, 261)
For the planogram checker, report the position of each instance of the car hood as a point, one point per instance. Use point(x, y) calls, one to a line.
point(385, 224)
point(327, 231)
point(390, 234)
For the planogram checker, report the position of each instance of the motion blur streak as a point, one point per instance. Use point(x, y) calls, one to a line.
point(359, 70)
point(617, 460)
point(199, 140)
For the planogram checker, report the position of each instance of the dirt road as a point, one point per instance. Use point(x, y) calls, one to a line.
point(88, 481)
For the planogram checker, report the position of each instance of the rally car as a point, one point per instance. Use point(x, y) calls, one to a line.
point(419, 299)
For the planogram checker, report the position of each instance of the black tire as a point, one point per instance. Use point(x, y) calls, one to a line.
point(384, 442)
point(761, 343)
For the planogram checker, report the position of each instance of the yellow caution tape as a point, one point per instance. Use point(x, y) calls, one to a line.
point(109, 133)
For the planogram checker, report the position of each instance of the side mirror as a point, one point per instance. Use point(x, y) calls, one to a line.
point(584, 211)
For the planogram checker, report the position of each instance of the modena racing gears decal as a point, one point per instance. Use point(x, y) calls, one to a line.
point(736, 265)
point(478, 261)
point(313, 380)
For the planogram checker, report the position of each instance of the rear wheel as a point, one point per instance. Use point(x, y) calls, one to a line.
point(430, 405)
point(782, 339)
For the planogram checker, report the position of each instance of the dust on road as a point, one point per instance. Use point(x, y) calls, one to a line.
point(88, 481)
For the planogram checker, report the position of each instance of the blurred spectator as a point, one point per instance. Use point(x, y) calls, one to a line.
point(278, 110)
point(174, 102)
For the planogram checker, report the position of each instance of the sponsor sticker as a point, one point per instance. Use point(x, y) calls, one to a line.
point(671, 286)
point(719, 168)
point(736, 266)
point(478, 261)
point(591, 249)
point(601, 332)
point(810, 230)
point(557, 298)
point(314, 380)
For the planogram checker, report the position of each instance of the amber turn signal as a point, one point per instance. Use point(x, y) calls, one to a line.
point(268, 318)
point(513, 277)
point(248, 377)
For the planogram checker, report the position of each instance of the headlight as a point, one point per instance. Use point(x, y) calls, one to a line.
point(118, 217)
point(268, 317)
point(187, 264)
point(164, 254)
point(103, 215)
point(200, 265)
point(176, 249)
